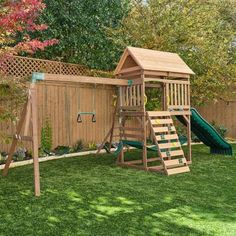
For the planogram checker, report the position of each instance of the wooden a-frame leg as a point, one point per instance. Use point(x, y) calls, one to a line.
point(15, 140)
point(113, 125)
point(104, 141)
point(35, 140)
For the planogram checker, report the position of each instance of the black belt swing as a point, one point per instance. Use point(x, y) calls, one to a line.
point(93, 113)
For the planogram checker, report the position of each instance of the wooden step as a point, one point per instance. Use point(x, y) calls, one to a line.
point(158, 113)
point(164, 129)
point(177, 170)
point(167, 137)
point(173, 153)
point(169, 145)
point(175, 162)
point(157, 121)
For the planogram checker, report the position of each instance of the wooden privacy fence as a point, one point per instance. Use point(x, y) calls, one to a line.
point(59, 103)
point(223, 113)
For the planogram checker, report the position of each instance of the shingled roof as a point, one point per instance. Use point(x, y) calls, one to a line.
point(152, 60)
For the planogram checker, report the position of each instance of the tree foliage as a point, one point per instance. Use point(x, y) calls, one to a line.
point(17, 17)
point(20, 17)
point(81, 28)
point(201, 32)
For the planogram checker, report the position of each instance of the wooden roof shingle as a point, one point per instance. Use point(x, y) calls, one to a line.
point(153, 60)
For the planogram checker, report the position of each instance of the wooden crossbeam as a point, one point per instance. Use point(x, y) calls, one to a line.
point(166, 81)
point(85, 79)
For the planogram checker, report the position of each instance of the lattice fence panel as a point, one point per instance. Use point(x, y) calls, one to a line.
point(24, 67)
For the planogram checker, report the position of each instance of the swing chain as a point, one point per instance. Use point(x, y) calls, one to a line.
point(93, 113)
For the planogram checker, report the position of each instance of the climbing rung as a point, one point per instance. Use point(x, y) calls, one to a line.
point(167, 137)
point(169, 145)
point(161, 121)
point(164, 129)
point(177, 170)
point(158, 113)
point(172, 153)
point(175, 162)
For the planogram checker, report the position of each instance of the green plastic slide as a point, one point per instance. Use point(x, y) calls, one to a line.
point(207, 134)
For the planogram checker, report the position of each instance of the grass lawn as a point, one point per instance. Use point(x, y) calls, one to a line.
point(91, 196)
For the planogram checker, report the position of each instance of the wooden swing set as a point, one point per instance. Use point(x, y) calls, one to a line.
point(138, 69)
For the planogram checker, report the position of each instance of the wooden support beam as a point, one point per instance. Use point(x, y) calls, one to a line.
point(85, 79)
point(166, 74)
point(167, 81)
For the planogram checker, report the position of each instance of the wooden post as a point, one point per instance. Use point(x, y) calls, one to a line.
point(163, 96)
point(189, 139)
point(189, 128)
point(188, 122)
point(121, 123)
point(35, 139)
point(144, 127)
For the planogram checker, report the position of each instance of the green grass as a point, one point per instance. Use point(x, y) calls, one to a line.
point(91, 196)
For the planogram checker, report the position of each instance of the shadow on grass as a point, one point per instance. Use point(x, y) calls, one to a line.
point(91, 196)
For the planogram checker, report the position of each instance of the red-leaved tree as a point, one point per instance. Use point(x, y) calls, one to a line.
point(21, 16)
point(17, 16)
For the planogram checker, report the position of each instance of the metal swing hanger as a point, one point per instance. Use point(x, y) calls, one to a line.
point(93, 113)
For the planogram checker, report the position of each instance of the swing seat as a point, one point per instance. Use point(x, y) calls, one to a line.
point(79, 116)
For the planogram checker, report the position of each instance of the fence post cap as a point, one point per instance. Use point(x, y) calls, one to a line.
point(37, 76)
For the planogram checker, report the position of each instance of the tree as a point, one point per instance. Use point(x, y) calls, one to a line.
point(81, 27)
point(17, 17)
point(20, 17)
point(201, 32)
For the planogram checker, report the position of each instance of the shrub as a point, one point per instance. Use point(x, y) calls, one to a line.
point(219, 128)
point(61, 150)
point(46, 136)
point(92, 146)
point(78, 146)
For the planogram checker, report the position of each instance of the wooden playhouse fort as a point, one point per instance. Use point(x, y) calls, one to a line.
point(167, 72)
point(138, 70)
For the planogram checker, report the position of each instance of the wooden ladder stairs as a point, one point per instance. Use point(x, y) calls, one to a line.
point(166, 139)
